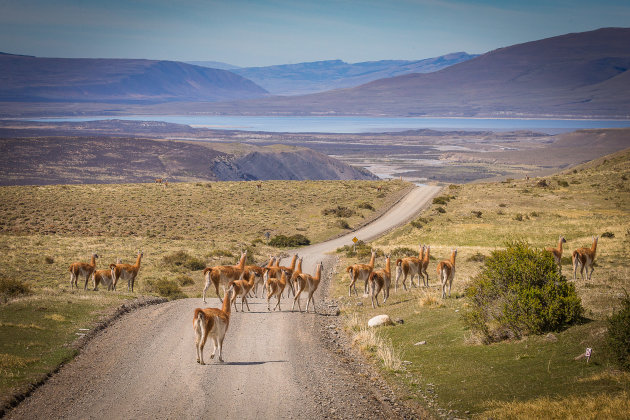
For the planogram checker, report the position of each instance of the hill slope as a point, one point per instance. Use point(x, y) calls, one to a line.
point(95, 159)
point(35, 79)
point(319, 76)
point(582, 74)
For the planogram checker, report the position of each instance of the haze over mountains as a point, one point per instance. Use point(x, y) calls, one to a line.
point(35, 79)
point(583, 75)
point(574, 75)
point(319, 76)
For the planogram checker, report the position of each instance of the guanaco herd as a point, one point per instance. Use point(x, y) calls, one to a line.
point(242, 280)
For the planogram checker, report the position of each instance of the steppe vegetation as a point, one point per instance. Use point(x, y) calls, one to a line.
point(180, 228)
point(445, 364)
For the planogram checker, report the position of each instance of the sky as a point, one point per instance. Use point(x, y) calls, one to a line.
point(266, 32)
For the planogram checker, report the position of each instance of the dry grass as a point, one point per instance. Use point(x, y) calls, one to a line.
point(601, 406)
point(536, 377)
point(368, 340)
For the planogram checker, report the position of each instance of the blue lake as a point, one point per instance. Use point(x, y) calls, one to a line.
point(364, 124)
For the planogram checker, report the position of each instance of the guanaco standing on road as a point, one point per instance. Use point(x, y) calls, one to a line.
point(211, 322)
point(222, 275)
point(308, 283)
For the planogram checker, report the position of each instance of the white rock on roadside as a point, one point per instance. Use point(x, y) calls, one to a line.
point(380, 320)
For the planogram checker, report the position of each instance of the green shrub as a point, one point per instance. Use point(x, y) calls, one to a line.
point(443, 199)
point(11, 288)
point(338, 211)
point(520, 291)
point(477, 257)
point(608, 234)
point(49, 260)
point(343, 224)
point(563, 183)
point(363, 250)
point(477, 213)
point(518, 217)
point(283, 241)
point(618, 335)
point(365, 205)
point(183, 259)
point(402, 252)
point(184, 280)
point(166, 288)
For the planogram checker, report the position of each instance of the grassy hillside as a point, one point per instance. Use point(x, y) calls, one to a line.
point(516, 378)
point(180, 228)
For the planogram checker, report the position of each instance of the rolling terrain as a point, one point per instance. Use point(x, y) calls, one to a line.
point(574, 75)
point(319, 76)
point(44, 80)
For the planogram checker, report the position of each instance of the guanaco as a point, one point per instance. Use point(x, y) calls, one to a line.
point(211, 322)
point(585, 257)
point(104, 277)
point(446, 273)
point(557, 252)
point(425, 265)
point(360, 272)
point(241, 287)
point(409, 266)
point(275, 287)
point(82, 269)
point(223, 274)
point(259, 272)
point(289, 271)
point(380, 280)
point(308, 283)
point(296, 272)
point(126, 272)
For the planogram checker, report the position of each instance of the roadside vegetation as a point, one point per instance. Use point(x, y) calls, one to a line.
point(525, 371)
point(180, 228)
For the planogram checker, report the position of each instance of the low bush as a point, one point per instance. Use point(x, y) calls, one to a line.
point(477, 257)
point(49, 260)
point(608, 234)
point(184, 280)
point(520, 291)
point(361, 250)
point(283, 241)
point(11, 288)
point(365, 205)
point(443, 199)
point(476, 213)
point(402, 252)
point(343, 224)
point(440, 210)
point(563, 183)
point(183, 259)
point(618, 335)
point(166, 288)
point(338, 211)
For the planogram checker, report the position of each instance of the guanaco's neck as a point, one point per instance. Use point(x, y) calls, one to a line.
point(421, 253)
point(560, 244)
point(226, 302)
point(241, 262)
point(453, 255)
point(293, 260)
point(594, 246)
point(387, 265)
point(426, 254)
point(138, 259)
point(318, 273)
point(371, 264)
point(299, 266)
point(93, 261)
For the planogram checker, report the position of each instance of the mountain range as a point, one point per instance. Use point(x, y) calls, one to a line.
point(320, 76)
point(578, 75)
point(36, 79)
point(574, 75)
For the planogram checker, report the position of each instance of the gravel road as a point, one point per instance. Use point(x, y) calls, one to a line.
point(278, 365)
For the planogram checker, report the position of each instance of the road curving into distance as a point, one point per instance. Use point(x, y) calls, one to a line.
point(278, 365)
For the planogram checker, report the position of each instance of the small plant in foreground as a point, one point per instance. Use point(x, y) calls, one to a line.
point(339, 211)
point(365, 205)
point(618, 335)
point(608, 234)
point(520, 291)
point(183, 259)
